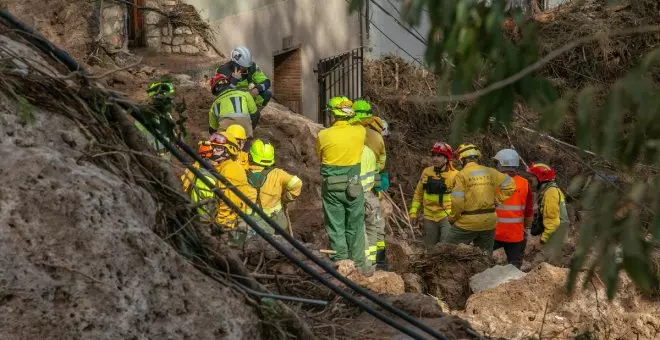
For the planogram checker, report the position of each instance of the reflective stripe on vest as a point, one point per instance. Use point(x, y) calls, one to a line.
point(511, 214)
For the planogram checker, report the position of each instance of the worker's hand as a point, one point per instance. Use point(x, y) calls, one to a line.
point(237, 74)
point(413, 218)
point(254, 92)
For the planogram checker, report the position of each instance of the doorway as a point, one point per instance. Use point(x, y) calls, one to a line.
point(287, 87)
point(135, 24)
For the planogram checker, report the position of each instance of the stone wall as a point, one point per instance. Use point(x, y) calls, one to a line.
point(113, 31)
point(164, 37)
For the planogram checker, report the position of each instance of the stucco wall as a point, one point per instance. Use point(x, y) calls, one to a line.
point(321, 28)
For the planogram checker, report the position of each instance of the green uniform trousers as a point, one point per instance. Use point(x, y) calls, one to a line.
point(435, 231)
point(344, 219)
point(483, 239)
point(279, 217)
point(374, 224)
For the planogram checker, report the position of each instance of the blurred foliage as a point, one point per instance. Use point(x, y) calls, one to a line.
point(468, 47)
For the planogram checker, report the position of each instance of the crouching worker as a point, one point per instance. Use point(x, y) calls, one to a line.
point(230, 107)
point(433, 195)
point(223, 158)
point(200, 194)
point(339, 148)
point(272, 184)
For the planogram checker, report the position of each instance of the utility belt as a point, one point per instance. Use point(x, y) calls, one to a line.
point(349, 184)
point(479, 211)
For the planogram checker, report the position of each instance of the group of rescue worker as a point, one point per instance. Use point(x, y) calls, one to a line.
point(491, 208)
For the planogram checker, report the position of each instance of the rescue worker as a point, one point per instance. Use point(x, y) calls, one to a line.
point(477, 190)
point(158, 113)
point(433, 193)
point(551, 201)
point(271, 184)
point(362, 110)
point(514, 216)
point(197, 190)
point(245, 75)
point(374, 223)
point(230, 107)
point(225, 150)
point(339, 147)
point(241, 137)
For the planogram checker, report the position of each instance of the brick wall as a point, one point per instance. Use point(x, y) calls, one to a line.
point(287, 80)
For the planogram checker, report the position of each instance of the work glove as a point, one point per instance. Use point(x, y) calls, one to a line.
point(412, 216)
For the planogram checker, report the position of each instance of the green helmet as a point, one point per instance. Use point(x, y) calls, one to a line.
point(341, 107)
point(362, 109)
point(262, 152)
point(161, 88)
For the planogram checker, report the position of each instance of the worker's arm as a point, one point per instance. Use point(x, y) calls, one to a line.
point(251, 104)
point(260, 80)
point(292, 185)
point(529, 209)
point(213, 118)
point(457, 198)
point(382, 154)
point(506, 187)
point(418, 196)
point(551, 219)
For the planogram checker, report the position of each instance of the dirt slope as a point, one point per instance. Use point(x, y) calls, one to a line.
point(80, 259)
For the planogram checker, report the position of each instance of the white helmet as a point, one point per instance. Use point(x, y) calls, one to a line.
point(508, 157)
point(242, 56)
point(386, 130)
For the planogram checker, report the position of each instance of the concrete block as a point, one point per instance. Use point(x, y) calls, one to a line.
point(189, 49)
point(182, 30)
point(193, 39)
point(152, 31)
point(178, 40)
point(493, 277)
point(176, 49)
point(165, 49)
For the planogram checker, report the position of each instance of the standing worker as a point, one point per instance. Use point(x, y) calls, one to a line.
point(225, 150)
point(514, 216)
point(230, 106)
point(477, 190)
point(245, 75)
point(552, 212)
point(241, 137)
point(271, 184)
point(339, 148)
point(433, 193)
point(197, 190)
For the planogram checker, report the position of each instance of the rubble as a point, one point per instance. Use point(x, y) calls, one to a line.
point(493, 277)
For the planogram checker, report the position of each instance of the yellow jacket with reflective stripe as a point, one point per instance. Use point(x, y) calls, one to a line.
point(368, 169)
point(231, 104)
point(236, 175)
point(435, 207)
point(477, 189)
point(341, 144)
point(553, 205)
point(278, 183)
point(376, 143)
point(199, 191)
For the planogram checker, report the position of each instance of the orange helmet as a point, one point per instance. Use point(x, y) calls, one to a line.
point(205, 149)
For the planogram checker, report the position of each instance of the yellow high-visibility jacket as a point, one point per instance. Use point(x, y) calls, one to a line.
point(278, 182)
point(199, 191)
point(368, 169)
point(244, 160)
point(236, 175)
point(341, 144)
point(231, 104)
point(552, 210)
point(477, 189)
point(376, 143)
point(437, 205)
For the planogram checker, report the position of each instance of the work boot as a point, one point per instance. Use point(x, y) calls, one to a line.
point(381, 261)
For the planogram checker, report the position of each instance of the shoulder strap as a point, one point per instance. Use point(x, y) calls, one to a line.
point(257, 180)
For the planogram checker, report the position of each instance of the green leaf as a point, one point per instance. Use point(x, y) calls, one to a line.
point(583, 123)
point(636, 257)
point(576, 185)
point(609, 270)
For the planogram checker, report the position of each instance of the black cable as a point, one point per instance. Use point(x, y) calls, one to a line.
point(390, 39)
point(413, 27)
point(399, 22)
point(134, 111)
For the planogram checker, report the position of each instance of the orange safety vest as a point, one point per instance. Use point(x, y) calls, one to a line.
point(511, 214)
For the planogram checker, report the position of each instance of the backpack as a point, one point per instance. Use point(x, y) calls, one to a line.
point(257, 180)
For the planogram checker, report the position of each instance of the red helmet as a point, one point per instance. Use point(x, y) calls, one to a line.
point(542, 172)
point(442, 148)
point(218, 79)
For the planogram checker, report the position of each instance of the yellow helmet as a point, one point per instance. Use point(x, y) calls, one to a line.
point(237, 131)
point(224, 140)
point(341, 107)
point(262, 152)
point(467, 150)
